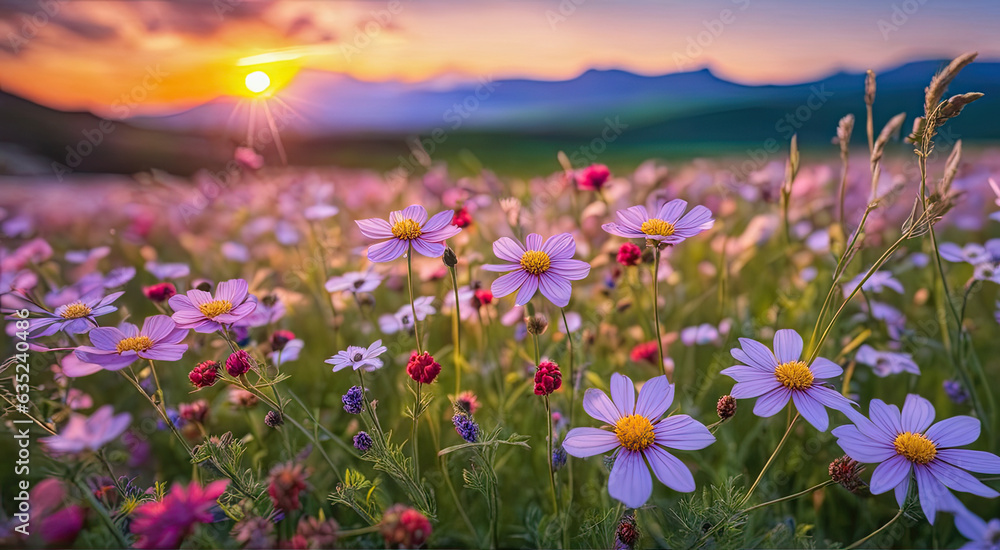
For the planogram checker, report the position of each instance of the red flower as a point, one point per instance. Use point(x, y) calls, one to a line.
point(482, 297)
point(629, 254)
point(280, 338)
point(194, 412)
point(238, 363)
point(646, 351)
point(461, 218)
point(205, 374)
point(593, 177)
point(423, 368)
point(286, 481)
point(404, 527)
point(160, 292)
point(547, 378)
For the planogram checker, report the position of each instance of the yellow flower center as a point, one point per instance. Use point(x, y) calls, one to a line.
point(75, 311)
point(535, 262)
point(915, 447)
point(134, 343)
point(635, 432)
point(406, 230)
point(794, 375)
point(215, 308)
point(657, 227)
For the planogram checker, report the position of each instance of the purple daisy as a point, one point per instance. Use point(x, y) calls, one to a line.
point(408, 228)
point(641, 435)
point(905, 443)
point(547, 266)
point(205, 313)
point(116, 348)
point(83, 433)
point(777, 377)
point(76, 317)
point(667, 226)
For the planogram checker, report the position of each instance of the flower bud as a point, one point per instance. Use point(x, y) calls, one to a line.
point(537, 324)
point(726, 407)
point(449, 258)
point(273, 419)
point(547, 378)
point(280, 338)
point(363, 441)
point(204, 375)
point(846, 471)
point(238, 363)
point(628, 531)
point(160, 292)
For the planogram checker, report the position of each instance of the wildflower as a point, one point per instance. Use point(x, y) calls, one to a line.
point(116, 348)
point(88, 434)
point(255, 532)
point(955, 391)
point(547, 378)
point(269, 309)
point(160, 292)
point(166, 523)
point(358, 357)
point(168, 270)
point(408, 228)
point(280, 338)
point(906, 444)
point(536, 324)
point(354, 282)
point(879, 281)
point(845, 471)
point(700, 335)
point(238, 363)
point(404, 527)
point(196, 411)
point(628, 530)
point(205, 313)
point(884, 363)
point(547, 266)
point(639, 434)
point(558, 458)
point(403, 318)
point(241, 398)
point(482, 297)
point(273, 419)
point(353, 400)
point(629, 255)
point(467, 402)
point(422, 368)
point(289, 352)
point(462, 218)
point(982, 535)
point(780, 376)
point(318, 533)
point(285, 482)
point(645, 352)
point(363, 441)
point(60, 524)
point(726, 407)
point(667, 226)
point(76, 317)
point(592, 178)
point(466, 427)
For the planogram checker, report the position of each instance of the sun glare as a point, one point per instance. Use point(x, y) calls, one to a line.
point(258, 81)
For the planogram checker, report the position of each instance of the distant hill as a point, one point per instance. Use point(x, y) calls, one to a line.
point(347, 121)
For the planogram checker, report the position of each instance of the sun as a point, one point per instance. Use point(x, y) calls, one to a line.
point(257, 81)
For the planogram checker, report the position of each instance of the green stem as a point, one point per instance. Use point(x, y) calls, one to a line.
point(414, 434)
point(101, 511)
point(656, 308)
point(790, 497)
point(771, 459)
point(858, 543)
point(454, 496)
point(457, 328)
point(548, 459)
point(413, 305)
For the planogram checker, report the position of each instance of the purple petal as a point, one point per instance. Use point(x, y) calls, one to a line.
point(889, 474)
point(959, 480)
point(974, 461)
point(598, 405)
point(234, 290)
point(861, 448)
point(386, 251)
point(787, 345)
point(533, 242)
point(622, 231)
point(158, 327)
point(573, 270)
point(770, 403)
point(584, 442)
point(758, 353)
point(560, 247)
point(823, 368)
point(199, 297)
point(885, 417)
point(238, 312)
point(630, 481)
point(755, 388)
point(556, 288)
point(438, 221)
point(441, 235)
point(528, 289)
point(902, 490)
point(811, 410)
point(743, 373)
point(830, 398)
point(508, 249)
point(375, 228)
point(682, 432)
point(180, 302)
point(634, 216)
point(165, 352)
point(931, 490)
point(950, 432)
point(672, 211)
point(106, 338)
point(623, 394)
point(500, 268)
point(427, 248)
point(698, 218)
point(655, 397)
point(670, 470)
point(917, 415)
point(416, 213)
point(506, 284)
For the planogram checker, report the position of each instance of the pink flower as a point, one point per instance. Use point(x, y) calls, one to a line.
point(593, 177)
point(116, 348)
point(164, 524)
point(88, 434)
point(548, 266)
point(408, 228)
point(667, 226)
point(205, 313)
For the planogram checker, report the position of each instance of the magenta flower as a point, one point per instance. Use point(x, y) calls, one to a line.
point(667, 226)
point(88, 434)
point(116, 348)
point(547, 266)
point(777, 377)
point(164, 524)
point(408, 228)
point(77, 317)
point(205, 313)
point(907, 443)
point(640, 435)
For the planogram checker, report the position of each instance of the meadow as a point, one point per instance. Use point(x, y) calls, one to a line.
point(786, 350)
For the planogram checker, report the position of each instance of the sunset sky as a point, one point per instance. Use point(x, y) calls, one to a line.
point(87, 54)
